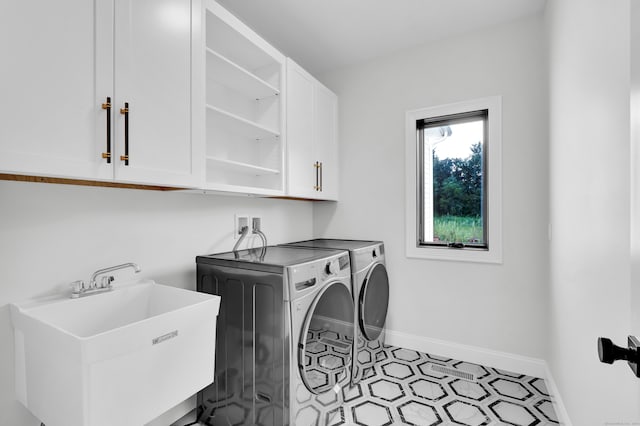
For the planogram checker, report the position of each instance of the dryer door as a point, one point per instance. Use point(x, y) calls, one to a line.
point(374, 301)
point(326, 341)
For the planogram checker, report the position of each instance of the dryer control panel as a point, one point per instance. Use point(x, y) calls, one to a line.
point(363, 258)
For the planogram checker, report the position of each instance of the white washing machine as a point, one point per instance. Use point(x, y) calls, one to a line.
point(285, 336)
point(370, 287)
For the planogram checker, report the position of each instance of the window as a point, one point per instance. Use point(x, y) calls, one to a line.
point(453, 181)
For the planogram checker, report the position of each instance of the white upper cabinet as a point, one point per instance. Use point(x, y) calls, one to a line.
point(303, 172)
point(70, 68)
point(160, 92)
point(326, 141)
point(51, 121)
point(312, 141)
point(242, 107)
point(153, 92)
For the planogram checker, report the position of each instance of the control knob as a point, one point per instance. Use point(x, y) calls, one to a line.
point(332, 267)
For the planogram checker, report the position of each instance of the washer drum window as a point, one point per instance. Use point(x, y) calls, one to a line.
point(325, 356)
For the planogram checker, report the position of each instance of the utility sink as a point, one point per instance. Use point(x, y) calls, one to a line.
point(121, 357)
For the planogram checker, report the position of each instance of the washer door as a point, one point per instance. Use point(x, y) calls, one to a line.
point(326, 342)
point(374, 301)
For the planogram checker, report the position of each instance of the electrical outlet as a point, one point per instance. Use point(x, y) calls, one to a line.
point(256, 223)
point(240, 221)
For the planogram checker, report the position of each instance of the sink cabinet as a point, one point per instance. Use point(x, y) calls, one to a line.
point(99, 90)
point(117, 358)
point(312, 140)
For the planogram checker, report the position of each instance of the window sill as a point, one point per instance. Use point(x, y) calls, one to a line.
point(456, 255)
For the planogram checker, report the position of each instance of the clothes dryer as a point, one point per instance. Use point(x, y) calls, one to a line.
point(370, 287)
point(285, 336)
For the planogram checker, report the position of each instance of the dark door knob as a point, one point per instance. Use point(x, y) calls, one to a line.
point(608, 352)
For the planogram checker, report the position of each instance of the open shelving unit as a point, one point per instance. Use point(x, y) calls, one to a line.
point(236, 166)
point(240, 125)
point(244, 117)
point(238, 78)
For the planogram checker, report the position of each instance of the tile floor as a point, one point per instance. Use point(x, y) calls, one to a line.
point(402, 389)
point(405, 387)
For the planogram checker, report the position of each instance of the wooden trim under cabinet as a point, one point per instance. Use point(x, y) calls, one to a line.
point(82, 182)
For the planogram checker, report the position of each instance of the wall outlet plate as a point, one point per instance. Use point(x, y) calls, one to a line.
point(240, 220)
point(258, 225)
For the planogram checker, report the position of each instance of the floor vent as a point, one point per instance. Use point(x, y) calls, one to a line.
point(464, 375)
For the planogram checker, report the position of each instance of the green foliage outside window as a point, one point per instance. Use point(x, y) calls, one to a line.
point(457, 197)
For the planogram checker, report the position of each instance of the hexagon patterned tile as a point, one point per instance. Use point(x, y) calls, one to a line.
point(406, 387)
point(403, 389)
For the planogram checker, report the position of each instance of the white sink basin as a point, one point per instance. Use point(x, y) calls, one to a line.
point(118, 358)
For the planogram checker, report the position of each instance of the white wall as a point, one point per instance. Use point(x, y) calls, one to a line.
point(589, 206)
point(51, 235)
point(500, 307)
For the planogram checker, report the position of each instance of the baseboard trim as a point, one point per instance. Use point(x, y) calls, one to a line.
point(505, 361)
point(556, 399)
point(502, 360)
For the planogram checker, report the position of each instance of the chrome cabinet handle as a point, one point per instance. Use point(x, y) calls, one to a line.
point(320, 176)
point(125, 111)
point(107, 106)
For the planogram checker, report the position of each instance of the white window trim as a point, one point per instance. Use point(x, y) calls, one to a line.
point(493, 175)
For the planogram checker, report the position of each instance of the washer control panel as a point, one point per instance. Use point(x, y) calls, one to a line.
point(332, 267)
point(336, 267)
point(305, 277)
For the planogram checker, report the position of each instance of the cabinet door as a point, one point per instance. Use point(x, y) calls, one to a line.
point(153, 81)
point(302, 171)
point(326, 141)
point(56, 73)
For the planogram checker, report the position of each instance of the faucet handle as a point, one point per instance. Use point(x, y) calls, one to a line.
point(77, 287)
point(106, 281)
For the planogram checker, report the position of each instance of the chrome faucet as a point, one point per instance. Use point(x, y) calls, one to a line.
point(99, 272)
point(79, 289)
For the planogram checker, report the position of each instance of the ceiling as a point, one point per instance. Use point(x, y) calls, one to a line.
point(323, 35)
